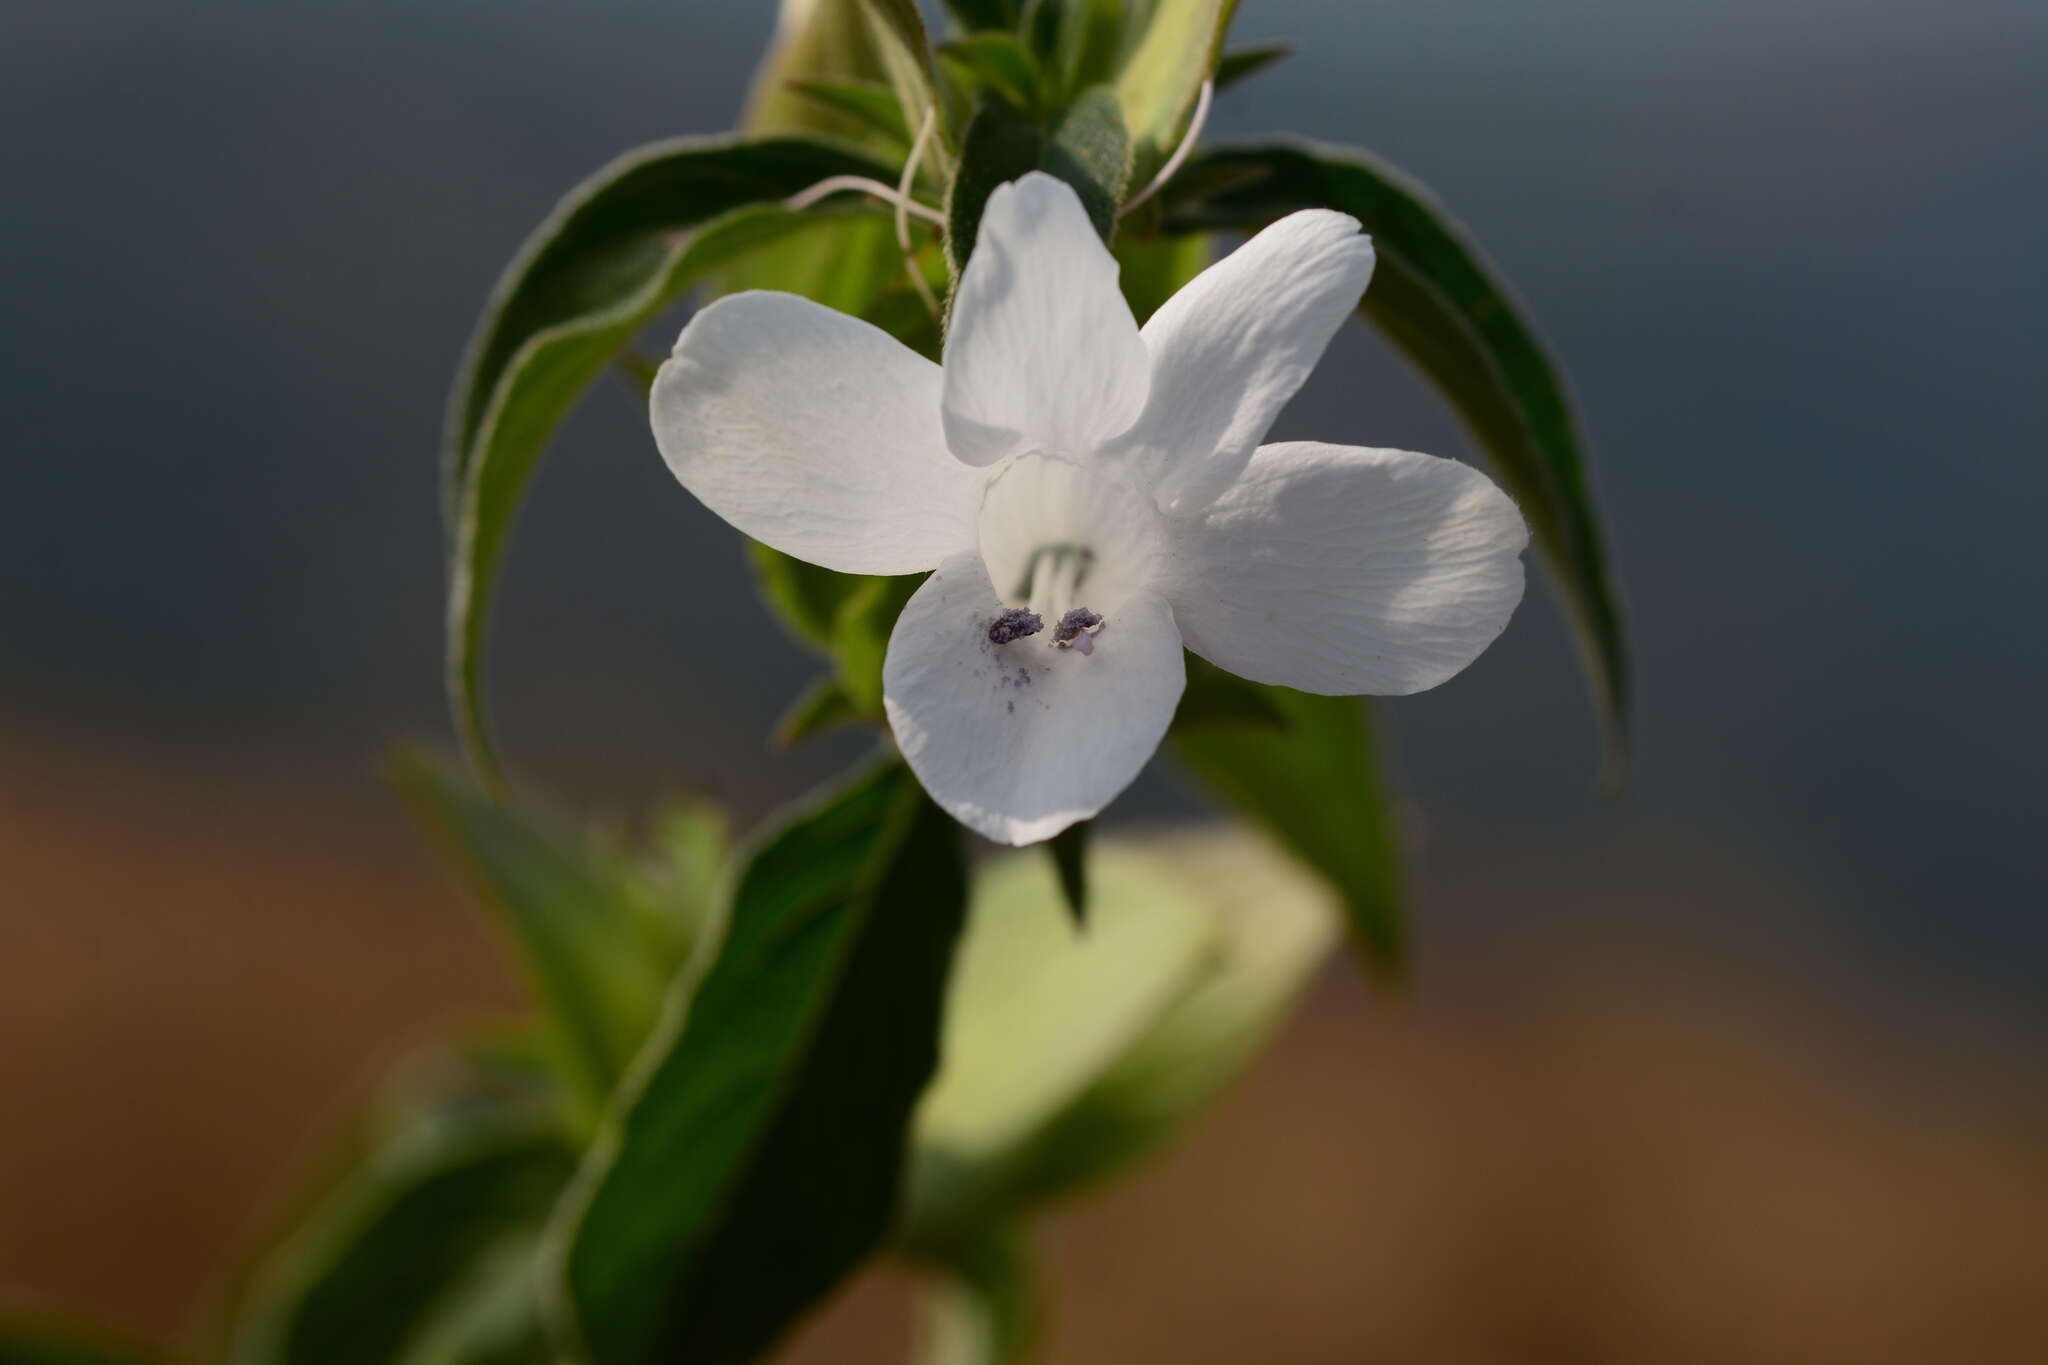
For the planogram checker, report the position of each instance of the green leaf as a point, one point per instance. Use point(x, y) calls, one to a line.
point(381, 1258)
point(600, 957)
point(1271, 931)
point(1315, 787)
point(822, 707)
point(621, 246)
point(1215, 697)
point(758, 1158)
point(860, 637)
point(1067, 1056)
point(986, 1306)
point(1036, 1014)
point(1179, 48)
point(873, 106)
point(897, 31)
point(1443, 306)
point(1069, 850)
point(804, 597)
point(1086, 148)
point(1246, 62)
point(1152, 269)
point(1001, 62)
point(492, 1316)
point(1086, 43)
point(975, 15)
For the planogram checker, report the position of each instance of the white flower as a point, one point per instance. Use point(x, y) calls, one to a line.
point(1091, 497)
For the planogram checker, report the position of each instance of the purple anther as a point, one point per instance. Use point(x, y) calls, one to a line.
point(1075, 628)
point(1014, 624)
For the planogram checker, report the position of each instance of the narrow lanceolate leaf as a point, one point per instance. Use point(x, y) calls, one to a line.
point(1314, 784)
point(1439, 301)
point(599, 959)
point(618, 249)
point(758, 1158)
point(905, 53)
point(1086, 148)
point(1246, 62)
point(1002, 63)
point(407, 1232)
point(1182, 42)
point(872, 106)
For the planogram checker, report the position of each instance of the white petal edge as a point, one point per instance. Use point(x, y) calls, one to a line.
point(1019, 741)
point(1231, 347)
point(1340, 570)
point(1042, 351)
point(815, 433)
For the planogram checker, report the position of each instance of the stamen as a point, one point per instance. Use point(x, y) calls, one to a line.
point(833, 184)
point(1014, 624)
point(1076, 630)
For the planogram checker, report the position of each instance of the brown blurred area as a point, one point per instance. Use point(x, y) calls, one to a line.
point(1645, 1152)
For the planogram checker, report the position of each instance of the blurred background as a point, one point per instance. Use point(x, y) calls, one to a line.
point(1743, 1066)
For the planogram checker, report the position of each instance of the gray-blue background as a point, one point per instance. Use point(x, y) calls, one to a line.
point(1791, 254)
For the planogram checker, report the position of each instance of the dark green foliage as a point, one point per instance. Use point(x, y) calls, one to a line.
point(599, 951)
point(406, 1233)
point(1069, 849)
point(758, 1160)
point(1314, 784)
point(619, 248)
point(1086, 148)
point(1440, 302)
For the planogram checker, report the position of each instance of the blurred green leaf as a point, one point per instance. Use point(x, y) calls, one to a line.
point(975, 15)
point(600, 955)
point(378, 1261)
point(804, 597)
point(823, 40)
point(1036, 1013)
point(1177, 51)
point(1001, 62)
point(1246, 62)
point(756, 1161)
point(1152, 269)
point(1069, 1055)
point(1270, 932)
point(1444, 307)
point(1069, 851)
point(873, 106)
point(1086, 148)
point(619, 248)
point(1314, 784)
point(1215, 697)
point(492, 1316)
point(984, 1306)
point(860, 636)
point(906, 57)
point(819, 709)
point(1085, 43)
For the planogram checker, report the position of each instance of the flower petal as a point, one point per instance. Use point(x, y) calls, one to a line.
point(815, 433)
point(1018, 741)
point(1336, 569)
point(1232, 347)
point(1042, 352)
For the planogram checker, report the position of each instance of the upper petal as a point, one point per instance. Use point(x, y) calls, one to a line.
point(1042, 351)
point(815, 433)
point(1339, 570)
point(1018, 741)
point(1232, 347)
